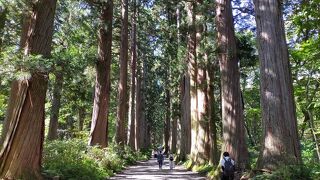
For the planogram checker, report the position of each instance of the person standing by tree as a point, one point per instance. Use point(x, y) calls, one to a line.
point(227, 165)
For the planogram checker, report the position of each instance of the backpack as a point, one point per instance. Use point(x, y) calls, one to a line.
point(171, 158)
point(228, 167)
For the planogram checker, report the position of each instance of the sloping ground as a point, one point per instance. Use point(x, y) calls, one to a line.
point(150, 170)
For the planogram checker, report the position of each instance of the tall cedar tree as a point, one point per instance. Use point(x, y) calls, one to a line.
point(211, 112)
point(139, 109)
point(122, 96)
point(132, 135)
point(175, 104)
point(185, 147)
point(56, 103)
point(200, 127)
point(193, 71)
point(99, 125)
point(169, 51)
point(232, 110)
point(21, 151)
point(280, 134)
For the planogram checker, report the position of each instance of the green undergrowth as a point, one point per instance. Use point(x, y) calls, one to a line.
point(292, 172)
point(203, 169)
point(1, 128)
point(73, 159)
point(206, 169)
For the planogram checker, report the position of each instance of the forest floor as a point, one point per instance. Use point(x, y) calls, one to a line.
point(150, 170)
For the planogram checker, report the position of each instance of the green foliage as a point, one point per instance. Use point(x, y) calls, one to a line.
point(68, 160)
point(2, 107)
point(1, 127)
point(215, 173)
point(292, 172)
point(253, 156)
point(188, 164)
point(73, 159)
point(203, 169)
point(308, 153)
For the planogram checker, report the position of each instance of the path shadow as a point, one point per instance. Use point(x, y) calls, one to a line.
point(150, 170)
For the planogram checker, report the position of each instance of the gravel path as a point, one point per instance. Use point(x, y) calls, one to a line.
point(150, 170)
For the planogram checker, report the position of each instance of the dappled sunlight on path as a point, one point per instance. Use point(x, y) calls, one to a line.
point(150, 170)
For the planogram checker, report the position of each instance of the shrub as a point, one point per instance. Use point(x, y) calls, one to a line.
point(73, 159)
point(289, 172)
point(67, 160)
point(203, 169)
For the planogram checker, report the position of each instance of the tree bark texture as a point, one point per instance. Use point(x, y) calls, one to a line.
point(174, 135)
point(122, 97)
point(21, 151)
point(145, 126)
point(138, 111)
point(167, 123)
point(141, 123)
point(176, 102)
point(185, 145)
point(99, 124)
point(200, 125)
point(189, 89)
point(280, 134)
point(193, 71)
point(214, 159)
point(133, 76)
point(232, 110)
point(55, 107)
point(22, 147)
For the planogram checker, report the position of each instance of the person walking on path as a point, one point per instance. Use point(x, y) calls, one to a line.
point(160, 159)
point(227, 165)
point(171, 162)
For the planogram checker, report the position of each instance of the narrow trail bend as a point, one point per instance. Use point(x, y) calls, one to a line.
point(150, 170)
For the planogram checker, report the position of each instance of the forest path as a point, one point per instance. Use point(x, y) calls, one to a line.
point(150, 170)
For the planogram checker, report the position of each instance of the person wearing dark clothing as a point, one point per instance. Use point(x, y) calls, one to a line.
point(160, 159)
point(227, 165)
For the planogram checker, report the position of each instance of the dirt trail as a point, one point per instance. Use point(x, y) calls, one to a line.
point(150, 170)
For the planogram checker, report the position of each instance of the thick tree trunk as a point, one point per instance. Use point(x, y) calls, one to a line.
point(21, 151)
point(280, 142)
point(22, 147)
point(200, 125)
point(122, 97)
point(141, 128)
point(204, 112)
point(145, 126)
point(214, 157)
point(174, 135)
point(185, 141)
point(99, 124)
point(232, 110)
point(133, 76)
point(193, 71)
point(138, 111)
point(189, 89)
point(55, 107)
point(142, 125)
point(176, 104)
point(167, 123)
